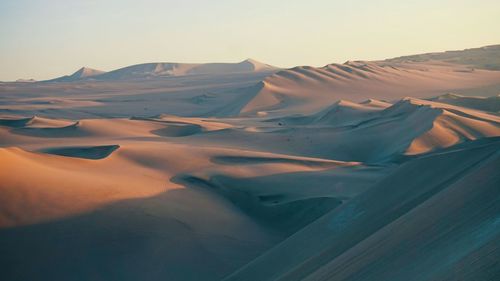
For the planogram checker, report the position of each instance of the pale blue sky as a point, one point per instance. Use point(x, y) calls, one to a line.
point(48, 38)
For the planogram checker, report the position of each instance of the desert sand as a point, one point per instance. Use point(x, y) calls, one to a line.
point(367, 170)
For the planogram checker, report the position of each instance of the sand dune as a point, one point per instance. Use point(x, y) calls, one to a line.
point(82, 73)
point(341, 113)
point(165, 171)
point(306, 89)
point(244, 89)
point(410, 126)
point(15, 121)
point(374, 236)
point(485, 57)
point(489, 104)
point(162, 69)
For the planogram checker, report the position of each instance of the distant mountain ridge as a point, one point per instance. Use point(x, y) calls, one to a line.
point(487, 57)
point(166, 69)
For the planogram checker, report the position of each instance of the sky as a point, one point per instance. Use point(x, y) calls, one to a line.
point(43, 39)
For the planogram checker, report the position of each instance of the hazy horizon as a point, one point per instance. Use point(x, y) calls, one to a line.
point(43, 41)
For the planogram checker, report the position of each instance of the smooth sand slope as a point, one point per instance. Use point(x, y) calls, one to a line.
point(441, 225)
point(359, 171)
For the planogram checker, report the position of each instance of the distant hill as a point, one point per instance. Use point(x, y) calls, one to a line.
point(485, 57)
point(163, 69)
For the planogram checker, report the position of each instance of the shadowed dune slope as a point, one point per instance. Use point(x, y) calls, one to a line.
point(157, 238)
point(87, 152)
point(422, 229)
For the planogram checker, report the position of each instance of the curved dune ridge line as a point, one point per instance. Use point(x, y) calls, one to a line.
point(39, 122)
point(126, 164)
point(161, 126)
point(34, 122)
point(15, 121)
point(113, 177)
point(249, 160)
point(305, 89)
point(52, 130)
point(58, 186)
point(278, 197)
point(410, 126)
point(450, 125)
point(271, 210)
point(454, 125)
point(270, 187)
point(341, 113)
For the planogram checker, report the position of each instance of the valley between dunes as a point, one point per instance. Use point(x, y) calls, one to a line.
point(384, 170)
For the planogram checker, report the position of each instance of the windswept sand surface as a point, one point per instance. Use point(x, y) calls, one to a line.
point(362, 171)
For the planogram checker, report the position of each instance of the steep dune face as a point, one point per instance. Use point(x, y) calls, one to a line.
point(306, 89)
point(400, 229)
point(61, 186)
point(426, 126)
point(453, 126)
